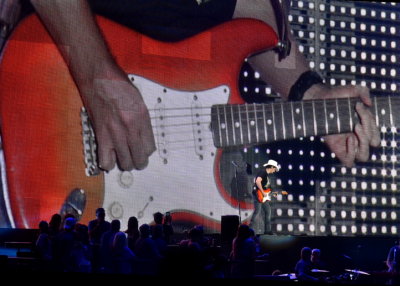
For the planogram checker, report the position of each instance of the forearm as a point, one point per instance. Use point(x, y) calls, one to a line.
point(9, 13)
point(258, 183)
point(73, 28)
point(281, 75)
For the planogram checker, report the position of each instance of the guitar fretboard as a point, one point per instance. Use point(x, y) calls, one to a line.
point(246, 124)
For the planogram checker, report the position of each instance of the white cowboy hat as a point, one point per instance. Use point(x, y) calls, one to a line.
point(272, 163)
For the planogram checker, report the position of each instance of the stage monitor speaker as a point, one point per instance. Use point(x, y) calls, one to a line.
point(229, 226)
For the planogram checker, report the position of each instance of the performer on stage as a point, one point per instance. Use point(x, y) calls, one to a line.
point(393, 263)
point(262, 194)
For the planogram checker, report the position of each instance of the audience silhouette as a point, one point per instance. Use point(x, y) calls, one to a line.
point(243, 254)
point(63, 246)
point(167, 227)
point(43, 244)
point(70, 251)
point(106, 244)
point(147, 251)
point(96, 228)
point(122, 257)
point(132, 232)
point(81, 252)
point(55, 225)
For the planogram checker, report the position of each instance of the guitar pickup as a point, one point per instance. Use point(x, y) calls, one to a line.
point(89, 146)
point(198, 126)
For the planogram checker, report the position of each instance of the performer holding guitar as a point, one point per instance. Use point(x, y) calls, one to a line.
point(125, 135)
point(262, 195)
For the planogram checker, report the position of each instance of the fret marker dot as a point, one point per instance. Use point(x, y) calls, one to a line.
point(237, 125)
point(252, 123)
point(299, 127)
point(297, 110)
point(223, 126)
point(331, 115)
point(383, 111)
point(269, 121)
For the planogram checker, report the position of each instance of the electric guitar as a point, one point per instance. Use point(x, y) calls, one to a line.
point(266, 195)
point(50, 149)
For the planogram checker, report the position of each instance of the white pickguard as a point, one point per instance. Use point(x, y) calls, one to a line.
point(267, 197)
point(180, 174)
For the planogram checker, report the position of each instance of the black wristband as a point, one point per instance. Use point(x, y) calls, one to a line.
point(303, 83)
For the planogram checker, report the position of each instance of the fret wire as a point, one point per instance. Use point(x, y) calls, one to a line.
point(337, 114)
point(390, 110)
point(293, 126)
point(226, 126)
point(283, 122)
point(265, 124)
point(248, 124)
point(315, 118)
point(379, 105)
point(304, 123)
point(255, 119)
point(326, 118)
point(233, 125)
point(219, 126)
point(350, 113)
point(240, 124)
point(273, 120)
point(377, 111)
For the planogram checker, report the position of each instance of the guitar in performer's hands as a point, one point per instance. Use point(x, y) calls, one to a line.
point(266, 195)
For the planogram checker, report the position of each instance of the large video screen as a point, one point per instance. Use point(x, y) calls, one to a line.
point(215, 124)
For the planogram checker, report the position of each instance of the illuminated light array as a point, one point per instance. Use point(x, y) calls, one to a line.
point(333, 33)
point(348, 43)
point(339, 229)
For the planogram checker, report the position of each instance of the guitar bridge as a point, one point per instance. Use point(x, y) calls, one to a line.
point(89, 145)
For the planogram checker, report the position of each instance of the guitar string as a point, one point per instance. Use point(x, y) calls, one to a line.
point(198, 116)
point(259, 108)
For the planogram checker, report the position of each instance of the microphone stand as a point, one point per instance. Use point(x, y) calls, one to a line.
point(237, 191)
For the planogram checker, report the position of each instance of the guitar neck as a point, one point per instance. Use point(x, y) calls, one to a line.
point(243, 124)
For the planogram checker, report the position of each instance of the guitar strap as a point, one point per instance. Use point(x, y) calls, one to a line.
point(264, 177)
point(281, 9)
point(10, 11)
